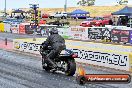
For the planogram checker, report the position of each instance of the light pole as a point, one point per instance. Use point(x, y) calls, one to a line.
point(5, 8)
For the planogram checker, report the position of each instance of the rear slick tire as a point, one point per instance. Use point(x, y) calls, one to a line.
point(71, 68)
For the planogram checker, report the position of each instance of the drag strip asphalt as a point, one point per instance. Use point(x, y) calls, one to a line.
point(25, 71)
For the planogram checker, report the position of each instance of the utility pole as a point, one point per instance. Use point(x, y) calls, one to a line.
point(65, 6)
point(5, 8)
point(35, 7)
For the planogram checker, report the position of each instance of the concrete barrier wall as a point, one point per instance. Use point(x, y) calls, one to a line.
point(2, 27)
point(7, 28)
point(107, 55)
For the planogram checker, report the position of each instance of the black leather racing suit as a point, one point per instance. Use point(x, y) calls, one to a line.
point(57, 43)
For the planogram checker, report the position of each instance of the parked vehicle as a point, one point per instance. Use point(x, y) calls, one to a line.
point(8, 20)
point(13, 21)
point(55, 23)
point(58, 23)
point(45, 15)
point(62, 15)
point(78, 16)
point(2, 18)
point(97, 21)
point(17, 21)
point(100, 21)
point(87, 22)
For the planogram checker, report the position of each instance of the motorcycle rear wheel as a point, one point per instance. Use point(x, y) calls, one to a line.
point(71, 68)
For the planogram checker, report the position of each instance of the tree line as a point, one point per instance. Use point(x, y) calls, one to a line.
point(92, 2)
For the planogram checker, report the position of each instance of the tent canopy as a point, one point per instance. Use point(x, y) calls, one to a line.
point(125, 11)
point(79, 11)
point(18, 11)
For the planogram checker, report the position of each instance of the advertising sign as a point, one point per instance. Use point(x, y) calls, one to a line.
point(99, 33)
point(78, 32)
point(125, 36)
point(130, 61)
point(28, 29)
point(2, 27)
point(64, 32)
point(15, 28)
point(21, 29)
point(44, 29)
point(118, 35)
point(115, 35)
point(7, 27)
point(130, 37)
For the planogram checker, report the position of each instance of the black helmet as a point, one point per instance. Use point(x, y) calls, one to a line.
point(53, 31)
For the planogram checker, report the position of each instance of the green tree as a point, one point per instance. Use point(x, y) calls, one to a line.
point(81, 3)
point(86, 2)
point(90, 2)
point(123, 2)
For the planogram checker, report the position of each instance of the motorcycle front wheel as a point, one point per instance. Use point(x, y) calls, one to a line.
point(44, 66)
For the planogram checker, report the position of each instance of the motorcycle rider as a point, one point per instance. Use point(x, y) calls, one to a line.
point(57, 44)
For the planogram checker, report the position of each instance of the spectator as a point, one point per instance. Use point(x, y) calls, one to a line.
point(119, 21)
point(110, 22)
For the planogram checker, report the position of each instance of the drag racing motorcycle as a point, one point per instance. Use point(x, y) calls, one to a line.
point(65, 62)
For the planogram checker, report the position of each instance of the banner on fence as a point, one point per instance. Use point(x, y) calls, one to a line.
point(64, 31)
point(21, 29)
point(15, 28)
point(7, 27)
point(130, 61)
point(44, 29)
point(79, 33)
point(28, 29)
point(99, 33)
point(2, 27)
point(118, 35)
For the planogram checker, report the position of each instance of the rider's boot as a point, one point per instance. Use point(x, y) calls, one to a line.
point(51, 62)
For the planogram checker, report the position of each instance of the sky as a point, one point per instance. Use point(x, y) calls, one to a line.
point(15, 4)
